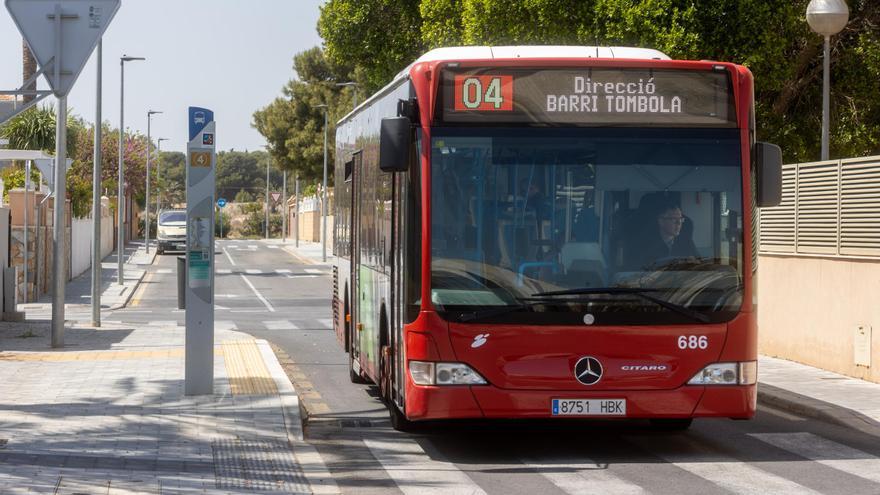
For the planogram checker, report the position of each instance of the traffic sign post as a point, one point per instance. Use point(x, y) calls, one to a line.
point(61, 34)
point(200, 161)
point(220, 204)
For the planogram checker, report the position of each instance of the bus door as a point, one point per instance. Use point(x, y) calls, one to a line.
point(355, 224)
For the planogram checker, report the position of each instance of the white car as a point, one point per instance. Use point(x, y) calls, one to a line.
point(171, 231)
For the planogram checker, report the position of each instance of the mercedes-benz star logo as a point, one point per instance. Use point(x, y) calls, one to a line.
point(588, 370)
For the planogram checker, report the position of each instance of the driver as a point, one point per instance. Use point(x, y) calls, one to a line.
point(665, 240)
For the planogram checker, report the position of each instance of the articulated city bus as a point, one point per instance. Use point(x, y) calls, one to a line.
point(549, 232)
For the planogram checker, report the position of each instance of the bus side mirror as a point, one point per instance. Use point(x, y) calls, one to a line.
point(768, 161)
point(394, 142)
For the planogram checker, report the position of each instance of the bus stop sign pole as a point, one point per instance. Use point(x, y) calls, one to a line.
point(200, 161)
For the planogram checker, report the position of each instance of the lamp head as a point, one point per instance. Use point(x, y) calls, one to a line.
point(827, 17)
point(153, 112)
point(126, 58)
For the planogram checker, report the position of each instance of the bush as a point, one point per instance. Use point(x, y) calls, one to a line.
point(243, 196)
point(255, 224)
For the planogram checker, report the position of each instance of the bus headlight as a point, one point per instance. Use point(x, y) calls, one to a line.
point(429, 373)
point(743, 373)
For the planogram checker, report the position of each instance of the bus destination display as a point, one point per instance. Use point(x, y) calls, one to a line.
point(591, 96)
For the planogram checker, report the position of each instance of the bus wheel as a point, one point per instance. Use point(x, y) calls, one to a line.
point(353, 375)
point(671, 424)
point(385, 373)
point(399, 421)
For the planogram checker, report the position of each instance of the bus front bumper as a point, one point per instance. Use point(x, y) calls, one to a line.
point(460, 402)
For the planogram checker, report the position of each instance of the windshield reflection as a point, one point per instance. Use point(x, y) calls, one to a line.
point(517, 212)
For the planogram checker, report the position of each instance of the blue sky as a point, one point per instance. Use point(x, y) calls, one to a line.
point(235, 65)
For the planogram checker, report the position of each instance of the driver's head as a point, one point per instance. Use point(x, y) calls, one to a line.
point(670, 220)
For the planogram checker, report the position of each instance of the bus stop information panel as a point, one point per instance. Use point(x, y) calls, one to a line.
point(588, 97)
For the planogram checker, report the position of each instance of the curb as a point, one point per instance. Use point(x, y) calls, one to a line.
point(298, 256)
point(308, 458)
point(130, 293)
point(802, 405)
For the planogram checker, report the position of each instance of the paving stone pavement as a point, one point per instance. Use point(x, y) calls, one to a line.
point(107, 414)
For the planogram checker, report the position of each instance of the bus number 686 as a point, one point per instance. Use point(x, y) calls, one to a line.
point(693, 342)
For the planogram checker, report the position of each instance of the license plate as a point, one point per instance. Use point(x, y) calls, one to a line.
point(588, 407)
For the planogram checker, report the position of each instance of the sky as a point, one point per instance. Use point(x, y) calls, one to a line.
point(231, 56)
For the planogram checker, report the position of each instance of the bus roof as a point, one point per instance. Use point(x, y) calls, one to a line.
point(458, 53)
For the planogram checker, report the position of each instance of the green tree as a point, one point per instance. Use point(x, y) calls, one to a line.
point(771, 38)
point(293, 125)
point(238, 170)
point(171, 184)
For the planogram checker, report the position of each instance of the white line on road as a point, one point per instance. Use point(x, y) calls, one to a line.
point(282, 270)
point(575, 478)
point(280, 325)
point(252, 246)
point(257, 293)
point(231, 261)
point(313, 270)
point(225, 325)
point(163, 270)
point(824, 451)
point(224, 271)
point(272, 247)
point(326, 322)
point(725, 471)
point(415, 473)
point(253, 271)
point(300, 275)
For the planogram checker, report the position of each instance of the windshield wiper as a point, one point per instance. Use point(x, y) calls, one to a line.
point(643, 293)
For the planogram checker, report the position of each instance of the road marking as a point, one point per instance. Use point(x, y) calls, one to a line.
point(282, 270)
point(224, 271)
point(723, 470)
point(253, 271)
point(252, 246)
point(163, 323)
point(272, 247)
point(827, 452)
point(313, 270)
point(574, 478)
point(257, 293)
point(326, 322)
point(280, 325)
point(246, 310)
point(301, 275)
point(142, 287)
point(164, 270)
point(415, 473)
point(231, 261)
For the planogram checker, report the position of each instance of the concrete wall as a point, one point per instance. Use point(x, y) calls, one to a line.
point(810, 310)
point(81, 240)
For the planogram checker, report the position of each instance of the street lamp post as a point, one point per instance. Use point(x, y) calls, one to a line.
point(150, 114)
point(120, 201)
point(96, 199)
point(827, 18)
point(158, 170)
point(267, 200)
point(324, 192)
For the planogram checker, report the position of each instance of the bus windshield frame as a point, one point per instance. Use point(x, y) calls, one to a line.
point(519, 212)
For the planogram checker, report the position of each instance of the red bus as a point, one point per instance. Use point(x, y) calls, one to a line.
point(547, 232)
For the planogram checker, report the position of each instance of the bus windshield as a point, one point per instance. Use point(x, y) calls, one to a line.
point(520, 215)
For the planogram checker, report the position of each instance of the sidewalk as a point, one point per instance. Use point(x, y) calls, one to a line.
point(308, 252)
point(107, 415)
point(819, 394)
point(78, 292)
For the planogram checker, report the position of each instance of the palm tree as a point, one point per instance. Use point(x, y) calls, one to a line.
point(28, 68)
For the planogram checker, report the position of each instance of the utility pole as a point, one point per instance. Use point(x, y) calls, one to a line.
point(158, 170)
point(96, 201)
point(296, 209)
point(150, 114)
point(267, 200)
point(120, 199)
point(286, 212)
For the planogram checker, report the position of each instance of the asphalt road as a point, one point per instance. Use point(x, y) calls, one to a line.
point(265, 291)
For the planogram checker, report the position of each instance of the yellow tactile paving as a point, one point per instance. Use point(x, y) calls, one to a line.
point(90, 355)
point(246, 369)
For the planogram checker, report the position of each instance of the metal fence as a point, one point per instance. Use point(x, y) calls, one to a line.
point(829, 208)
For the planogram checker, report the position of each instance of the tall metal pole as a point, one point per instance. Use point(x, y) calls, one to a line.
point(59, 268)
point(158, 170)
point(286, 213)
point(324, 199)
point(296, 209)
point(147, 198)
point(267, 200)
point(96, 202)
point(27, 185)
point(120, 200)
point(826, 96)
